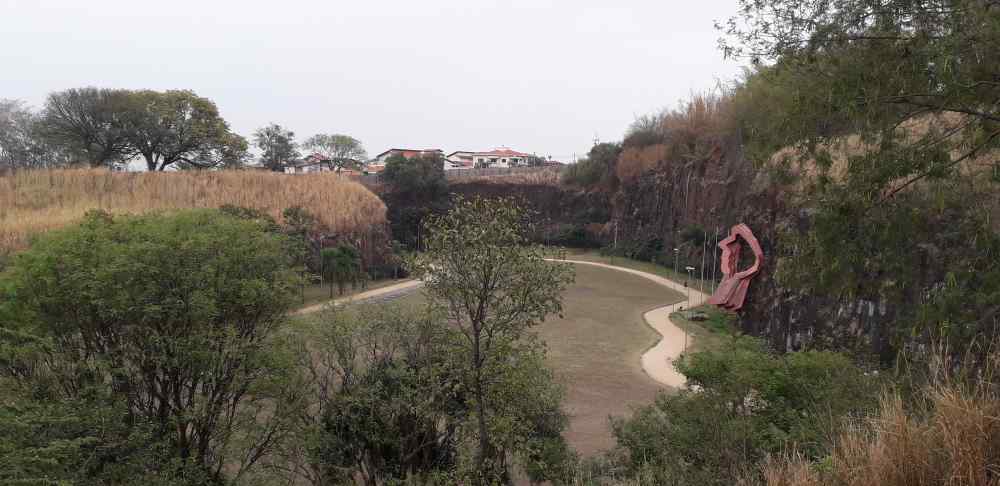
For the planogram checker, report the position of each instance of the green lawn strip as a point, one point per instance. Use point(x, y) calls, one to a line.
point(709, 334)
point(656, 269)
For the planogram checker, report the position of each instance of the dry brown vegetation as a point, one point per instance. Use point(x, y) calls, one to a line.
point(32, 202)
point(531, 177)
point(951, 436)
point(693, 132)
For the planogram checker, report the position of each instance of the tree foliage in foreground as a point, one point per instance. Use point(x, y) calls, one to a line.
point(742, 404)
point(146, 349)
point(493, 287)
point(394, 405)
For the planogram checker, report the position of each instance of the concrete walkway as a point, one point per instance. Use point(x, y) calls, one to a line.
point(396, 288)
point(657, 362)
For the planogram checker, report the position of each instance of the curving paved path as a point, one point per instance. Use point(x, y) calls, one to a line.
point(389, 291)
point(657, 362)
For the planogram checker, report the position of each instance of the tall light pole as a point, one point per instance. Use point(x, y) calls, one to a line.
point(677, 253)
point(690, 271)
point(715, 253)
point(704, 243)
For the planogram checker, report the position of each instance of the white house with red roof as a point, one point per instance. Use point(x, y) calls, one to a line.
point(501, 157)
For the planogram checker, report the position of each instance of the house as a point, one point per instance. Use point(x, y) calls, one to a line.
point(381, 158)
point(374, 169)
point(320, 163)
point(501, 157)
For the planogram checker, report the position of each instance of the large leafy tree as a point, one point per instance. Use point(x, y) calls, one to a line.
point(345, 151)
point(493, 286)
point(90, 122)
point(180, 127)
point(164, 329)
point(277, 145)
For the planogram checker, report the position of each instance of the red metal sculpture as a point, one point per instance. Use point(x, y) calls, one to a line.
point(732, 291)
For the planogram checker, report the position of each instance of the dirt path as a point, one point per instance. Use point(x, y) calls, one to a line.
point(400, 287)
point(657, 362)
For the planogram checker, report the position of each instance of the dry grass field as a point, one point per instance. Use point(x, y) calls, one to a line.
point(32, 202)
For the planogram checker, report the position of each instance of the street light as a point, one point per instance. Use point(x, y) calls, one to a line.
point(690, 271)
point(677, 252)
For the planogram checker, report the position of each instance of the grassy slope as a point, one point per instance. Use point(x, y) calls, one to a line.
point(35, 201)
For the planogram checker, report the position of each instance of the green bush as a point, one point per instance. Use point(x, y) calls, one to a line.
point(742, 404)
point(145, 349)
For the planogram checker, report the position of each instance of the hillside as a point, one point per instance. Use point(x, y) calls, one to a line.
point(32, 202)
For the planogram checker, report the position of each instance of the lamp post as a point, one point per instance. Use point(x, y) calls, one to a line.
point(677, 253)
point(690, 271)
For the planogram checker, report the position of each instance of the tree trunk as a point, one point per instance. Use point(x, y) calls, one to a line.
point(485, 448)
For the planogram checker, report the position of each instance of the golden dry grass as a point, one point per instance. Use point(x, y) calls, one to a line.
point(531, 177)
point(32, 202)
point(951, 436)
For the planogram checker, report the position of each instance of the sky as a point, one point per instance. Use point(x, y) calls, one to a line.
point(540, 76)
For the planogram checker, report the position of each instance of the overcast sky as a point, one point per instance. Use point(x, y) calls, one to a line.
point(536, 75)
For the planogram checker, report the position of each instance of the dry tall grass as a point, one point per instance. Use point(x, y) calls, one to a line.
point(32, 202)
point(541, 177)
point(950, 437)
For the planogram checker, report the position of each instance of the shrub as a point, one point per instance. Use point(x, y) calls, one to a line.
point(741, 404)
point(161, 333)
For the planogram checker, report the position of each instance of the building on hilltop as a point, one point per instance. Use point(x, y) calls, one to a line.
point(381, 158)
point(501, 157)
point(320, 163)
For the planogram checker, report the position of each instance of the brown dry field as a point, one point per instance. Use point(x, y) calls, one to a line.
point(595, 350)
point(35, 201)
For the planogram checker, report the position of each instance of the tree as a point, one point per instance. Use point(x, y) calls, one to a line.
point(278, 146)
point(343, 150)
point(414, 188)
point(89, 122)
point(493, 286)
point(179, 127)
point(21, 141)
point(170, 320)
point(389, 404)
point(341, 265)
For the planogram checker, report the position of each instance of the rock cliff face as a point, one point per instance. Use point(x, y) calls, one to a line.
point(564, 215)
point(674, 205)
point(790, 319)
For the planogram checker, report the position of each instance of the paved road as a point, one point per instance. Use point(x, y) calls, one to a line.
point(657, 361)
point(388, 292)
